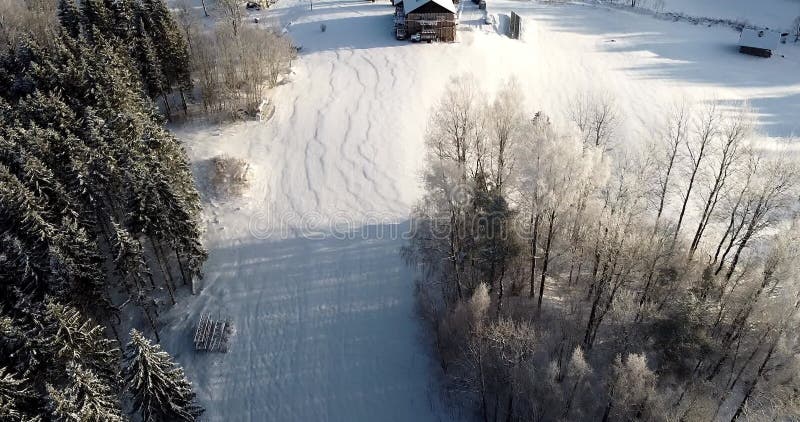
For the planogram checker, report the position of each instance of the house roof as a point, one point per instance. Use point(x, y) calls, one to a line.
point(412, 5)
point(761, 38)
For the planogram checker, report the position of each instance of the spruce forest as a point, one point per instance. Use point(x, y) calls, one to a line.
point(402, 210)
point(98, 211)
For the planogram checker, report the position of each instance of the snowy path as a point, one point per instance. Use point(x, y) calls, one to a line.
point(326, 325)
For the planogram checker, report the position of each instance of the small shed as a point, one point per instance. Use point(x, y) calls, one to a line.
point(759, 42)
point(432, 19)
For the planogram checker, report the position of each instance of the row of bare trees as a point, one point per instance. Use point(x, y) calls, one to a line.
point(570, 274)
point(234, 63)
point(20, 19)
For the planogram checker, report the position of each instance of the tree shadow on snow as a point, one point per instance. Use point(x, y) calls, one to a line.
point(326, 330)
point(367, 30)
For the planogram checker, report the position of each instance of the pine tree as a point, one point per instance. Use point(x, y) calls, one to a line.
point(85, 398)
point(150, 66)
point(132, 269)
point(69, 17)
point(96, 16)
point(60, 258)
point(159, 387)
point(16, 351)
point(495, 245)
point(170, 43)
point(67, 336)
point(122, 18)
point(15, 394)
point(28, 242)
point(87, 172)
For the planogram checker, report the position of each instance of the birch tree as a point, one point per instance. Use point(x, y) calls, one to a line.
point(698, 146)
point(733, 136)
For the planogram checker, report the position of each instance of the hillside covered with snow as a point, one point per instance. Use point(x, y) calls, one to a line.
point(307, 262)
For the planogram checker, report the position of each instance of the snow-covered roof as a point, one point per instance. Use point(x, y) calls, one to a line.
point(412, 5)
point(761, 38)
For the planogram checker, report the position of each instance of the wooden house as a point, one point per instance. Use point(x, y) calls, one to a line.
point(432, 19)
point(759, 42)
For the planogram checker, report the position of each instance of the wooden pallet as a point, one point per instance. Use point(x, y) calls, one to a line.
point(212, 335)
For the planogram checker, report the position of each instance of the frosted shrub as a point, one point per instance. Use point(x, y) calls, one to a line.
point(230, 176)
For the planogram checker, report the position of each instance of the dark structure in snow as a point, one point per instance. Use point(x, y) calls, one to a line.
point(433, 20)
point(213, 335)
point(758, 42)
point(514, 26)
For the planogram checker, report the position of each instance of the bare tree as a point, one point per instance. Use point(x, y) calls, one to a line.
point(231, 11)
point(698, 147)
point(577, 371)
point(552, 171)
point(667, 154)
point(735, 209)
point(595, 116)
point(189, 21)
point(454, 133)
point(633, 392)
point(773, 187)
point(734, 133)
point(21, 18)
point(505, 126)
point(234, 70)
point(715, 328)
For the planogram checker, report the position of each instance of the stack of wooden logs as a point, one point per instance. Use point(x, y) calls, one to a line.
point(212, 335)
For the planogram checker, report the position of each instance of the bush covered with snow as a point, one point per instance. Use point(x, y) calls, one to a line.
point(230, 177)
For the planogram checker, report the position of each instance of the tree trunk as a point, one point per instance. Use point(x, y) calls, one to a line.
point(144, 256)
point(167, 108)
point(180, 266)
point(534, 241)
point(685, 203)
point(720, 244)
point(665, 185)
point(483, 386)
point(164, 270)
point(587, 336)
point(454, 253)
point(510, 407)
point(152, 323)
point(738, 253)
point(753, 384)
point(546, 260)
point(570, 398)
point(183, 103)
point(500, 290)
point(711, 203)
point(731, 242)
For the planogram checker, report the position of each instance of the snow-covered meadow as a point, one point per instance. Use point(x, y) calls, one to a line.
point(775, 14)
point(326, 324)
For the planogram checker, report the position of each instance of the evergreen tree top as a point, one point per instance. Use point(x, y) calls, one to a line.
point(85, 398)
point(159, 387)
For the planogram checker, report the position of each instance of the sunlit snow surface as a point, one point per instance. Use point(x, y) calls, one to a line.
point(326, 325)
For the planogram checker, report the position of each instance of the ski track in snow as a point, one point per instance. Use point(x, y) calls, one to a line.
point(325, 325)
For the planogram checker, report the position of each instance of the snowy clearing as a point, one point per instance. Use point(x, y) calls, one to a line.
point(325, 326)
point(777, 14)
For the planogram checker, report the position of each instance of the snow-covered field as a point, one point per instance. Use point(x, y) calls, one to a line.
point(777, 14)
point(326, 326)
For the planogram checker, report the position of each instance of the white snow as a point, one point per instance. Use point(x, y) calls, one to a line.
point(775, 14)
point(767, 40)
point(412, 5)
point(325, 326)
